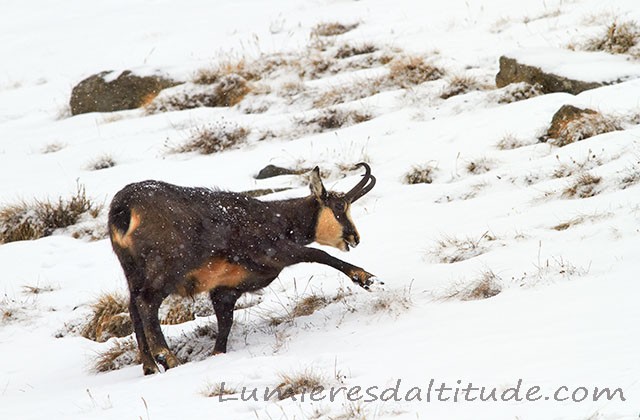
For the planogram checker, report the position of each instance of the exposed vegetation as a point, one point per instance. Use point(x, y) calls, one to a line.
point(334, 118)
point(302, 382)
point(450, 249)
point(332, 29)
point(37, 219)
point(584, 185)
point(214, 138)
point(121, 354)
point(422, 174)
point(510, 142)
point(571, 124)
point(619, 38)
point(459, 85)
point(110, 318)
point(218, 390)
point(518, 92)
point(486, 286)
point(102, 162)
point(479, 166)
point(407, 71)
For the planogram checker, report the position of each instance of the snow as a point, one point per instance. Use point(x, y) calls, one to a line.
point(567, 314)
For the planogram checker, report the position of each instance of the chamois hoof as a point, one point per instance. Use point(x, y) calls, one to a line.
point(167, 361)
point(150, 370)
point(374, 285)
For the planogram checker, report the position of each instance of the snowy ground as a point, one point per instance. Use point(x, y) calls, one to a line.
point(567, 315)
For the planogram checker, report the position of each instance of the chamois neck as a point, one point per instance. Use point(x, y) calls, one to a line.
point(299, 218)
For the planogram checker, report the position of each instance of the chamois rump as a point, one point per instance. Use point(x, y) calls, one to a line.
point(173, 239)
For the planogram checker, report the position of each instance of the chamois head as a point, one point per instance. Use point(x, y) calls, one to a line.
point(334, 226)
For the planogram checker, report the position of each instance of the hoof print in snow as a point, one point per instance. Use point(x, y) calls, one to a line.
point(106, 92)
point(570, 124)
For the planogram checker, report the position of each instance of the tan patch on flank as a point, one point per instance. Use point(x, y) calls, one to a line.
point(124, 240)
point(329, 230)
point(148, 98)
point(215, 272)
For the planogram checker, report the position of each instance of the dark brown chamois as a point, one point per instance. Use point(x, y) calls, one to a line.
point(172, 239)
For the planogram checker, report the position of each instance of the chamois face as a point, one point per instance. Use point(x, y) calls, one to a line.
point(334, 226)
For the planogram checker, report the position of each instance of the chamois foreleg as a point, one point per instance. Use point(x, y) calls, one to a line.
point(293, 254)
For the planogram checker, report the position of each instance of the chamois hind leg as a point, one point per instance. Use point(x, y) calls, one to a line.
point(147, 304)
point(223, 300)
point(148, 364)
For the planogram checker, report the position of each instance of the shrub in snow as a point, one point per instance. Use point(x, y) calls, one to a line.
point(334, 118)
point(419, 175)
point(37, 219)
point(409, 71)
point(214, 138)
point(459, 85)
point(332, 29)
point(584, 185)
point(619, 38)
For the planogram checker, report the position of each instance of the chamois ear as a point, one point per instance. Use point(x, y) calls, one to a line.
point(315, 185)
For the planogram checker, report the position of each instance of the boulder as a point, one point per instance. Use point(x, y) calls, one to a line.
point(103, 92)
point(271, 171)
point(511, 71)
point(570, 124)
point(559, 70)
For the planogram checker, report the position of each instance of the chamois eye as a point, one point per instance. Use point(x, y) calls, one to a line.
point(340, 206)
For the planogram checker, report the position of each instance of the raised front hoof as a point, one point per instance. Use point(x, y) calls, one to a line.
point(365, 280)
point(217, 352)
point(167, 360)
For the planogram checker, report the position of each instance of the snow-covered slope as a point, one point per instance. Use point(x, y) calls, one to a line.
point(566, 319)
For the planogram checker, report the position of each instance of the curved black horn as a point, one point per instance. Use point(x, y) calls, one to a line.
point(362, 187)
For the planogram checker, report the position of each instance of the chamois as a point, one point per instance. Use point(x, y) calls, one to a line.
point(173, 239)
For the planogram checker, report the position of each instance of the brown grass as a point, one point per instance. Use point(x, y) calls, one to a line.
point(486, 286)
point(121, 353)
point(214, 138)
point(459, 85)
point(219, 390)
point(303, 307)
point(102, 162)
point(583, 186)
point(359, 89)
point(450, 249)
point(298, 383)
point(177, 311)
point(510, 142)
point(334, 118)
point(479, 166)
point(409, 71)
point(37, 219)
point(619, 38)
point(110, 318)
point(332, 29)
point(519, 92)
point(419, 175)
point(349, 50)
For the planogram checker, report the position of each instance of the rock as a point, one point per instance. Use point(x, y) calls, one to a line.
point(104, 93)
point(570, 124)
point(558, 70)
point(271, 171)
point(511, 71)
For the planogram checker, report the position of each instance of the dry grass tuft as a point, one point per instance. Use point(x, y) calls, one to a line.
point(619, 38)
point(334, 118)
point(176, 310)
point(449, 249)
point(519, 92)
point(102, 162)
point(303, 307)
point(359, 89)
point(122, 353)
point(409, 71)
point(28, 221)
point(36, 290)
point(214, 138)
point(583, 186)
point(298, 383)
point(52, 148)
point(392, 301)
point(479, 166)
point(219, 390)
point(510, 142)
point(458, 85)
point(227, 91)
point(110, 318)
point(487, 286)
point(419, 175)
point(332, 29)
point(349, 50)
point(240, 67)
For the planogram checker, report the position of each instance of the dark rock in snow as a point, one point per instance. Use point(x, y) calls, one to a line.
point(511, 71)
point(271, 171)
point(104, 93)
